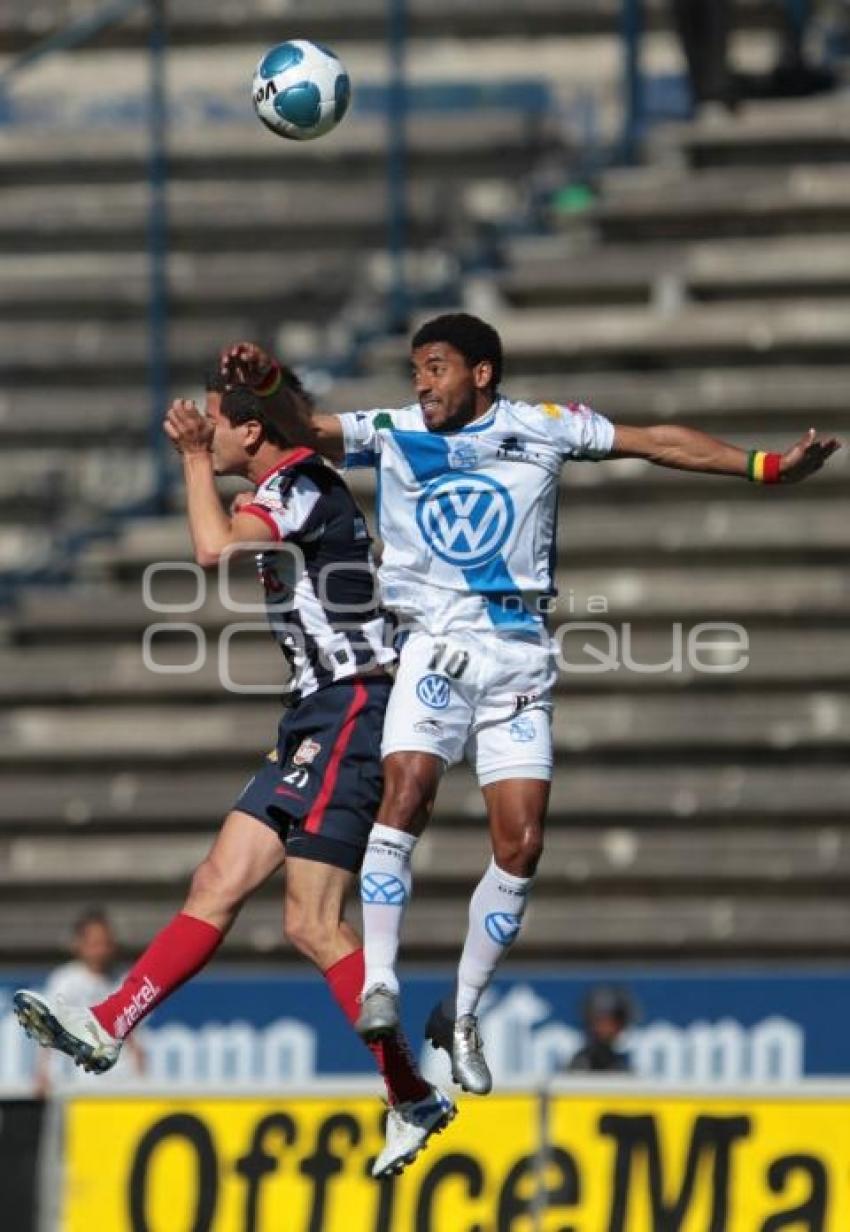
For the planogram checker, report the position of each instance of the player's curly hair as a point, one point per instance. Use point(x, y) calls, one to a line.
point(475, 339)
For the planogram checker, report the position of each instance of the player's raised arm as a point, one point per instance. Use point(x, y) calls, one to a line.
point(688, 449)
point(214, 531)
point(287, 402)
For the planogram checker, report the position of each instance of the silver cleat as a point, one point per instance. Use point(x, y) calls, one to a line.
point(469, 1068)
point(462, 1041)
point(378, 1014)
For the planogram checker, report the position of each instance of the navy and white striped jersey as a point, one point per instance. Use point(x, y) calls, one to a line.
point(319, 576)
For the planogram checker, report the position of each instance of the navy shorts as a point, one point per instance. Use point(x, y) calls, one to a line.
point(320, 788)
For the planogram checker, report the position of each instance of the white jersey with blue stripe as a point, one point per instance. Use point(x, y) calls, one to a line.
point(469, 518)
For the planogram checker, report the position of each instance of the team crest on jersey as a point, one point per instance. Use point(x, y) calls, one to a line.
point(465, 520)
point(306, 753)
point(462, 455)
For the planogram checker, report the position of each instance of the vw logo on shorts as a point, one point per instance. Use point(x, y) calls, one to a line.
point(502, 927)
point(382, 889)
point(523, 730)
point(465, 519)
point(433, 691)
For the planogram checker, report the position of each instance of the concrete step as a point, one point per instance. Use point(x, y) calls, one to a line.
point(616, 793)
point(97, 346)
point(556, 928)
point(780, 399)
point(662, 725)
point(760, 858)
point(725, 527)
point(769, 134)
point(91, 675)
point(116, 286)
point(784, 593)
point(659, 203)
point(200, 21)
point(216, 215)
point(768, 397)
point(549, 271)
point(471, 145)
point(551, 340)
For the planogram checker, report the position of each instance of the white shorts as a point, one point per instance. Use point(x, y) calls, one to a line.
point(484, 697)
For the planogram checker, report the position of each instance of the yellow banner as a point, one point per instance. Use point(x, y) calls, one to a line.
point(622, 1163)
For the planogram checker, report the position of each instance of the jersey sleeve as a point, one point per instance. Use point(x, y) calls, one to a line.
point(361, 438)
point(577, 430)
point(288, 514)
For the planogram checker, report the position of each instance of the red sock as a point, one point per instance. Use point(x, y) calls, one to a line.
point(173, 957)
point(394, 1058)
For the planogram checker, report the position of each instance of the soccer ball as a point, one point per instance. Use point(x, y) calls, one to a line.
point(301, 90)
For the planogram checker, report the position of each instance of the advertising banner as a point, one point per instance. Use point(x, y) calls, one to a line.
point(615, 1162)
point(258, 1165)
point(247, 1029)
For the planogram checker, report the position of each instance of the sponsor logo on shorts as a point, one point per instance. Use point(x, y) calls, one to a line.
point(523, 730)
point(306, 753)
point(502, 927)
point(428, 727)
point(382, 890)
point(523, 700)
point(135, 1007)
point(434, 691)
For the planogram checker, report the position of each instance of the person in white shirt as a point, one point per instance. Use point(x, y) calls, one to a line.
point(467, 493)
point(86, 980)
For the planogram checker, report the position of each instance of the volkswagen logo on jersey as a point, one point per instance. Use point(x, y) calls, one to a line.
point(383, 889)
point(465, 519)
point(433, 691)
point(502, 927)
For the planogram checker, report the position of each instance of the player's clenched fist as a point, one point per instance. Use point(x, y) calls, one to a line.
point(187, 429)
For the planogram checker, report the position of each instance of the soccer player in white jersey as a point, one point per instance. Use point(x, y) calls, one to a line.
point(467, 509)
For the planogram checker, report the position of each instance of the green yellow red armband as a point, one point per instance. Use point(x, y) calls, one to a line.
point(763, 467)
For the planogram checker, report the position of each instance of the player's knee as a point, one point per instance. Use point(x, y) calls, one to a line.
point(215, 886)
point(518, 853)
point(308, 933)
point(410, 788)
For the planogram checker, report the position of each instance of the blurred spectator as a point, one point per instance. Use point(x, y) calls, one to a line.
point(704, 28)
point(606, 1013)
point(86, 980)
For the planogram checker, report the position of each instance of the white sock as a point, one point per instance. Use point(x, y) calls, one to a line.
point(385, 881)
point(495, 915)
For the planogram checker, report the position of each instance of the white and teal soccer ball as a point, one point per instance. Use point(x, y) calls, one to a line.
point(301, 90)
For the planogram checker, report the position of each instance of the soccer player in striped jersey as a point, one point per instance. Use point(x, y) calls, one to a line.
point(310, 806)
point(467, 510)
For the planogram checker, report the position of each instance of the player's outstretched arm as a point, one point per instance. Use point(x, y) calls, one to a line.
point(245, 363)
point(688, 449)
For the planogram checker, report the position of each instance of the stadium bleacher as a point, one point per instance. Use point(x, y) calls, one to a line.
point(693, 815)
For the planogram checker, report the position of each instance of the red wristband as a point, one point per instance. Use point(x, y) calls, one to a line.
point(772, 463)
